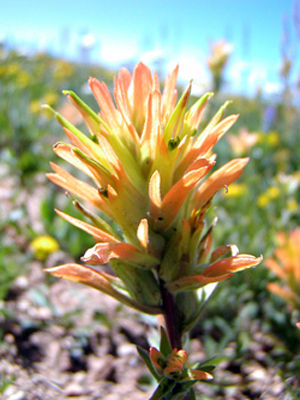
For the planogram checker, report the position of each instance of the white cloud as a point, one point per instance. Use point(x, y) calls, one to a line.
point(272, 88)
point(191, 68)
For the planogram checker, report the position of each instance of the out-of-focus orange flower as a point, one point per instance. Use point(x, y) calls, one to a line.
point(286, 265)
point(217, 61)
point(69, 112)
point(220, 52)
point(242, 142)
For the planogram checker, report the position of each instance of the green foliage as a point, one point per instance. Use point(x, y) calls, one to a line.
point(9, 270)
point(165, 346)
point(5, 382)
point(73, 240)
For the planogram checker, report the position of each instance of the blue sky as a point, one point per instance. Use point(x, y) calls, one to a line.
point(178, 30)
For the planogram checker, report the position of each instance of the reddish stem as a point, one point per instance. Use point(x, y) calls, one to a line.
point(171, 317)
point(172, 320)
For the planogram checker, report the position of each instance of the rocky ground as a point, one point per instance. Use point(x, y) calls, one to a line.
point(63, 340)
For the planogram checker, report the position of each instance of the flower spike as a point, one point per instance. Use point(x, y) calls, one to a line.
point(147, 163)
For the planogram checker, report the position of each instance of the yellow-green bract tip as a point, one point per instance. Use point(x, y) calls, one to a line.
point(47, 107)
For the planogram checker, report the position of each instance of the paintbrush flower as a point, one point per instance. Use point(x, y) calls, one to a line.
point(148, 168)
point(286, 266)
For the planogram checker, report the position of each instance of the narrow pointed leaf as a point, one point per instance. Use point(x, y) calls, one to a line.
point(165, 346)
point(145, 356)
point(165, 387)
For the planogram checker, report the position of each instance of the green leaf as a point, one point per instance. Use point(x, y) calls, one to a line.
point(207, 368)
point(203, 294)
point(206, 363)
point(165, 387)
point(181, 389)
point(145, 356)
point(165, 347)
point(192, 394)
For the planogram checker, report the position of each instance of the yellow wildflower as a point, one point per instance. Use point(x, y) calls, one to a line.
point(266, 198)
point(43, 246)
point(236, 190)
point(12, 69)
point(292, 205)
point(49, 98)
point(282, 158)
point(273, 192)
point(2, 70)
point(271, 138)
point(35, 106)
point(263, 200)
point(23, 79)
point(63, 70)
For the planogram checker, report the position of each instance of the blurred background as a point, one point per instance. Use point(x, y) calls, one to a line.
point(247, 52)
point(161, 34)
